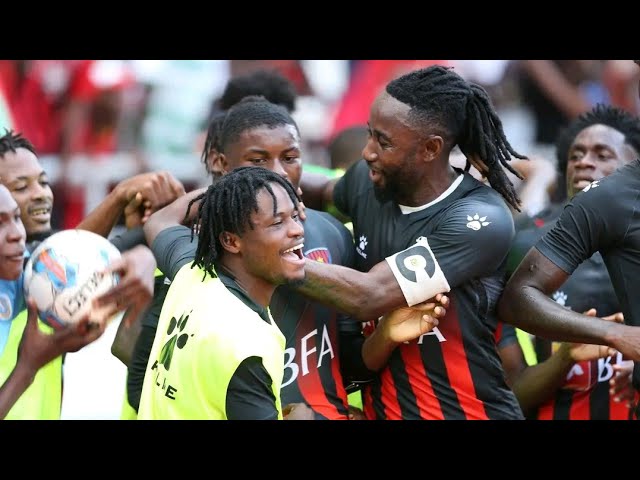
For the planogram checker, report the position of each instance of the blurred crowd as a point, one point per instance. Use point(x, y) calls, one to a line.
point(83, 115)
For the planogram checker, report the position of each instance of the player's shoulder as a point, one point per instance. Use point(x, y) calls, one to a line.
point(323, 222)
point(480, 201)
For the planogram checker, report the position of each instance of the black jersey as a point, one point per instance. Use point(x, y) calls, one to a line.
point(585, 394)
point(604, 218)
point(317, 338)
point(454, 372)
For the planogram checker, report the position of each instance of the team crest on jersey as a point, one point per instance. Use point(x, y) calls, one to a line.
point(322, 255)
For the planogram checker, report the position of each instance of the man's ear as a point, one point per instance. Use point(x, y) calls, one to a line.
point(432, 147)
point(230, 242)
point(217, 163)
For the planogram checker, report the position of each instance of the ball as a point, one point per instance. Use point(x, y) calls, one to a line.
point(65, 272)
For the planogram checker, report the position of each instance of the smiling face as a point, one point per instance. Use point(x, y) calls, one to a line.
point(12, 237)
point(25, 178)
point(272, 250)
point(596, 152)
point(276, 149)
point(391, 149)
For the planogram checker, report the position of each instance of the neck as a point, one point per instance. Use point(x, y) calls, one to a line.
point(429, 187)
point(39, 236)
point(258, 289)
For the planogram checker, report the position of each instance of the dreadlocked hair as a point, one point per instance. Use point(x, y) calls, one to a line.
point(11, 141)
point(227, 206)
point(461, 112)
point(251, 112)
point(616, 118)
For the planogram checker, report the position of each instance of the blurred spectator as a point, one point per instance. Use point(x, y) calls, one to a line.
point(6, 122)
point(177, 96)
point(557, 91)
point(621, 80)
point(346, 147)
point(66, 107)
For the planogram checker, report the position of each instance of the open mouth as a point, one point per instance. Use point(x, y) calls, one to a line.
point(294, 253)
point(42, 213)
point(581, 183)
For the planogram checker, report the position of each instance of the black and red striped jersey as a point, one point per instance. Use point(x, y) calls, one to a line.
point(453, 372)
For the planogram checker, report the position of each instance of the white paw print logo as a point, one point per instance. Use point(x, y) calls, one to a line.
point(363, 242)
point(476, 222)
point(594, 184)
point(560, 297)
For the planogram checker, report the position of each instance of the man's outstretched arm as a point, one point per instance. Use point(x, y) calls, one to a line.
point(363, 295)
point(525, 304)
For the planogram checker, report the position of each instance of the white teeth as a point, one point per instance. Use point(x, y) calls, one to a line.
point(292, 249)
point(40, 211)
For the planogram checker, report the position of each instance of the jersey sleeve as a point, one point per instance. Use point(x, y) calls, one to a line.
point(249, 396)
point(348, 187)
point(589, 223)
point(345, 246)
point(471, 240)
point(507, 336)
point(129, 239)
point(173, 249)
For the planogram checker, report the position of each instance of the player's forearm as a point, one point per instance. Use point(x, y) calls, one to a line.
point(377, 349)
point(531, 310)
point(125, 341)
point(172, 215)
point(364, 296)
point(18, 381)
point(538, 383)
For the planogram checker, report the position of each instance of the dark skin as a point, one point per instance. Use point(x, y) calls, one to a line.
point(525, 303)
point(413, 166)
point(596, 152)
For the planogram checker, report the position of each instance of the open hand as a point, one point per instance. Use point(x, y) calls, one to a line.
point(408, 323)
point(134, 291)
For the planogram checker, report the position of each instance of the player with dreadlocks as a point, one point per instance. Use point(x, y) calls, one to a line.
point(423, 227)
point(218, 354)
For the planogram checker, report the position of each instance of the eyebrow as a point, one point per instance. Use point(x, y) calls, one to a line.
point(7, 213)
point(26, 177)
point(379, 133)
point(265, 152)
